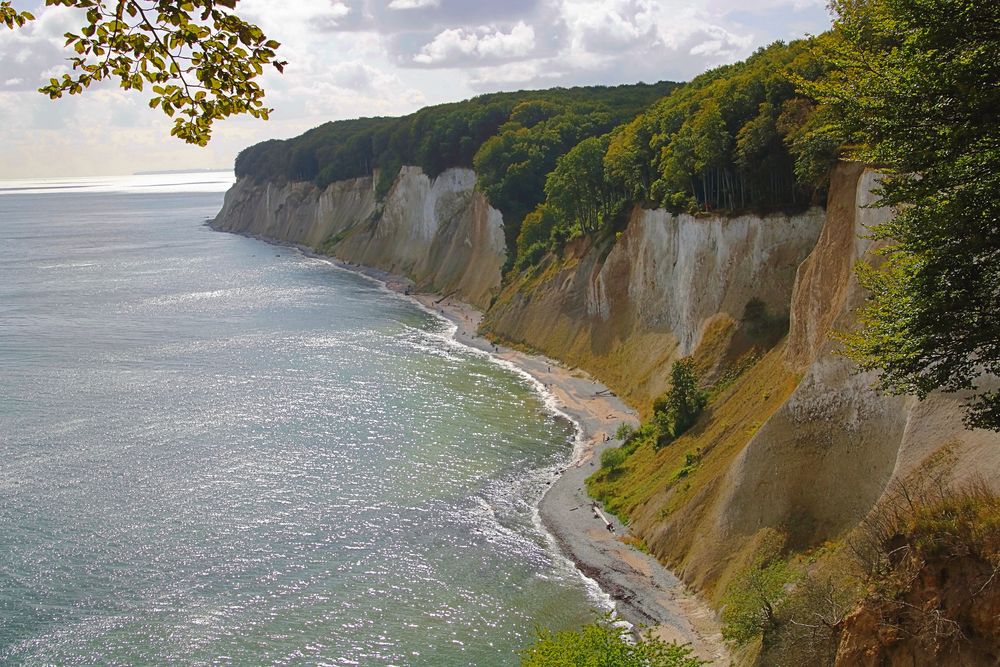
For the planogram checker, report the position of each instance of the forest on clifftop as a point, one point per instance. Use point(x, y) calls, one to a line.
point(567, 162)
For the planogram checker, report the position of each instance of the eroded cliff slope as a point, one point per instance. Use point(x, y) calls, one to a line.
point(800, 445)
point(671, 286)
point(439, 232)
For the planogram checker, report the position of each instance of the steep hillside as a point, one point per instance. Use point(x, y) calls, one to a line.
point(795, 447)
point(620, 235)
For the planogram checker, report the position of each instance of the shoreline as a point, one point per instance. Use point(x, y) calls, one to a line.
point(643, 591)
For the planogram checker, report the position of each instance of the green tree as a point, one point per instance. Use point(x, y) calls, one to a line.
point(917, 86)
point(578, 190)
point(626, 162)
point(712, 155)
point(535, 238)
point(624, 431)
point(677, 163)
point(753, 600)
point(603, 644)
point(198, 57)
point(677, 410)
point(720, 140)
point(532, 112)
point(613, 458)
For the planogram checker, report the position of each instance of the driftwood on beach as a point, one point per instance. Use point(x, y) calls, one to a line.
point(446, 296)
point(600, 515)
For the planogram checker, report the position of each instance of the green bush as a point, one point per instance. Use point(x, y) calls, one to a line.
point(624, 431)
point(753, 601)
point(602, 644)
point(613, 458)
point(677, 410)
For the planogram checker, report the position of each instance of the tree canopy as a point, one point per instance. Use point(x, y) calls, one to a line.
point(737, 137)
point(198, 57)
point(678, 409)
point(916, 87)
point(733, 138)
point(603, 644)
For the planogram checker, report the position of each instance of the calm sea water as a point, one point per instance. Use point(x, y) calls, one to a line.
point(213, 450)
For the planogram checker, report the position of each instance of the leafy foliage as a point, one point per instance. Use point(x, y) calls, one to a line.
point(613, 458)
point(514, 165)
point(602, 644)
point(579, 191)
point(737, 137)
point(538, 235)
point(624, 431)
point(524, 125)
point(199, 58)
point(754, 599)
point(677, 410)
point(917, 85)
point(13, 18)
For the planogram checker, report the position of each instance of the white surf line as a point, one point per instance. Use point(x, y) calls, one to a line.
point(600, 597)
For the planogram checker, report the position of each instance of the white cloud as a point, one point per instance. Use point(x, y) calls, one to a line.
point(457, 45)
point(338, 10)
point(676, 25)
point(594, 23)
point(413, 4)
point(512, 73)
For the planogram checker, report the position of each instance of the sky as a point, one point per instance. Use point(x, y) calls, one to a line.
point(351, 58)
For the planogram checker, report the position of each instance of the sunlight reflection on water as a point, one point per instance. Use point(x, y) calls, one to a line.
point(215, 454)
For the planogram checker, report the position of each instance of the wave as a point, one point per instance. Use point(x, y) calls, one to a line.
point(534, 480)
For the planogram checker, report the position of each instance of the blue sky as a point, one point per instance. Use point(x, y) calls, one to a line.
point(350, 58)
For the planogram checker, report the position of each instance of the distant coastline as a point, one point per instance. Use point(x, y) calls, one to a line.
point(162, 172)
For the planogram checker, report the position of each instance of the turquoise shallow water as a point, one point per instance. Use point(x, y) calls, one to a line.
point(218, 451)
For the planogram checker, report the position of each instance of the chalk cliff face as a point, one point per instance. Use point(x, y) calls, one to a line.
point(671, 286)
point(824, 455)
point(439, 232)
point(848, 441)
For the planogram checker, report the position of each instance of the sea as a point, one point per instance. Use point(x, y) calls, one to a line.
point(219, 451)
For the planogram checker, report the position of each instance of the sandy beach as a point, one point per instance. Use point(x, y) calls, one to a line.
point(646, 594)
